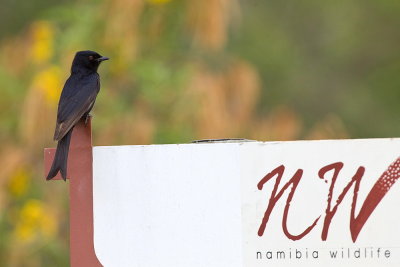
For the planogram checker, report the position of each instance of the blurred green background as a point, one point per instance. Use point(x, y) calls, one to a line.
point(182, 70)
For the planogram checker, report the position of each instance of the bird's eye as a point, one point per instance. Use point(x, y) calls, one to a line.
point(90, 57)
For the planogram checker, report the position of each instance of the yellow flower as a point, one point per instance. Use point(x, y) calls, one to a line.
point(48, 225)
point(24, 232)
point(35, 220)
point(32, 210)
point(43, 38)
point(19, 182)
point(158, 2)
point(49, 83)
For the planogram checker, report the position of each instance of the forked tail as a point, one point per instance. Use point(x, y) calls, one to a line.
point(61, 158)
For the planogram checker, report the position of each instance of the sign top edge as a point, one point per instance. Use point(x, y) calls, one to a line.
point(238, 141)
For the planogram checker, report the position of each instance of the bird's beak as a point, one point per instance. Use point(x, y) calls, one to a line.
point(100, 59)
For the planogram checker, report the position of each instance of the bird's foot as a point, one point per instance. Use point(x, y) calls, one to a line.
point(87, 118)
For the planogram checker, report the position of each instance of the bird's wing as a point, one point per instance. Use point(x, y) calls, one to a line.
point(77, 98)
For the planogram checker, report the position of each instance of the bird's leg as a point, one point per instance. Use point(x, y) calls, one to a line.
point(87, 116)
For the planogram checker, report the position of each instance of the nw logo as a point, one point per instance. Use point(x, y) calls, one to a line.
point(375, 195)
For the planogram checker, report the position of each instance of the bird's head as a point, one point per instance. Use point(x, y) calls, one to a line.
point(87, 61)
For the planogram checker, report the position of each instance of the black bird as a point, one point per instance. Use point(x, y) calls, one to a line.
point(76, 101)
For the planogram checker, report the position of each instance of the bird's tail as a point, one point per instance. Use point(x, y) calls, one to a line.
point(61, 157)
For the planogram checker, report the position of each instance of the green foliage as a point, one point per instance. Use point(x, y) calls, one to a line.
point(180, 71)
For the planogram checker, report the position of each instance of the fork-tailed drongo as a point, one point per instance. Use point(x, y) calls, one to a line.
point(76, 101)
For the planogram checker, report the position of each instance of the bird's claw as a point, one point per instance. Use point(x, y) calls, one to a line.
point(87, 118)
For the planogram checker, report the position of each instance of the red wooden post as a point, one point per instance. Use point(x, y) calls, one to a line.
point(80, 174)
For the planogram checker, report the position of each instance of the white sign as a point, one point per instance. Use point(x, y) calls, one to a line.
point(250, 204)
